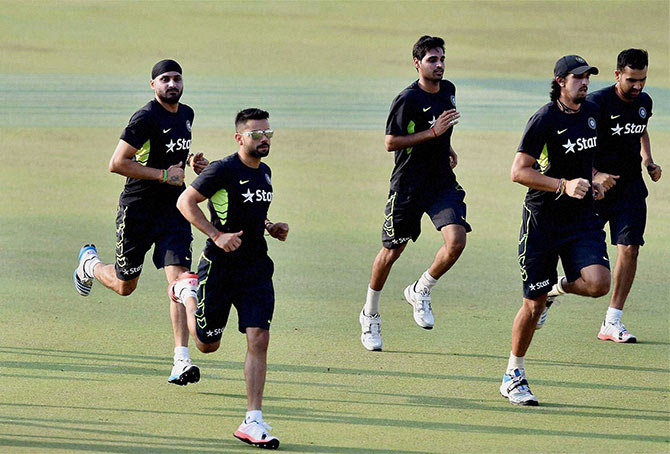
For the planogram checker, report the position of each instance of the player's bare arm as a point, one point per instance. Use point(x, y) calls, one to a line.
point(653, 169)
point(524, 173)
point(277, 230)
point(188, 206)
point(122, 162)
point(446, 120)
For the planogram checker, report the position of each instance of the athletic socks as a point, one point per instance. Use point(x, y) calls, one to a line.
point(90, 264)
point(372, 302)
point(425, 281)
point(181, 353)
point(516, 362)
point(613, 315)
point(253, 415)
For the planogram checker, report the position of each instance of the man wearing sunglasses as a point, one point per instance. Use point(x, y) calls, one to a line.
point(418, 130)
point(152, 153)
point(235, 269)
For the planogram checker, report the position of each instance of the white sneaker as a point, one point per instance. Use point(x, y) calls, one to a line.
point(256, 434)
point(420, 302)
point(83, 282)
point(616, 332)
point(184, 372)
point(515, 387)
point(551, 301)
point(371, 331)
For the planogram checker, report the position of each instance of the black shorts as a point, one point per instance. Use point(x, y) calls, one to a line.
point(540, 248)
point(139, 226)
point(245, 284)
point(403, 213)
point(625, 208)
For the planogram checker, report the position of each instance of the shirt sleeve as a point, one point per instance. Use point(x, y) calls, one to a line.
point(534, 139)
point(399, 122)
point(137, 132)
point(211, 180)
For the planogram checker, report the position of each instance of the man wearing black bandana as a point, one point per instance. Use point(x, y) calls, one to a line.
point(555, 161)
point(151, 154)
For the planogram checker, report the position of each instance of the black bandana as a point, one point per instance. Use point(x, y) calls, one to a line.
point(165, 66)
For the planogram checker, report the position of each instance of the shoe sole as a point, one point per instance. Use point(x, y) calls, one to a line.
point(603, 337)
point(409, 301)
point(190, 375)
point(374, 349)
point(528, 403)
point(272, 444)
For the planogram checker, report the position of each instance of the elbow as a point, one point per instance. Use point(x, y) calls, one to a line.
point(114, 166)
point(514, 175)
point(181, 203)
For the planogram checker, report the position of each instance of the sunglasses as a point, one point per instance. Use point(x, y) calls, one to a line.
point(258, 133)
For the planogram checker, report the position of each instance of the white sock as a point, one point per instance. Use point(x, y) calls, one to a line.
point(559, 285)
point(613, 315)
point(254, 415)
point(90, 264)
point(425, 281)
point(181, 353)
point(372, 302)
point(516, 362)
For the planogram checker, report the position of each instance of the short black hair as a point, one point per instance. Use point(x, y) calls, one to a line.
point(250, 114)
point(426, 43)
point(634, 58)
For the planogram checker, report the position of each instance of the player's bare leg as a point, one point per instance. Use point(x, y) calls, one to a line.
point(594, 281)
point(382, 265)
point(255, 366)
point(624, 273)
point(106, 275)
point(183, 371)
point(454, 236)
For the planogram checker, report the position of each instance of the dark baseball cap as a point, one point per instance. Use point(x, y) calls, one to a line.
point(573, 64)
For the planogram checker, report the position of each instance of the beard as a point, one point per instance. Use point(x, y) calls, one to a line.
point(170, 97)
point(260, 153)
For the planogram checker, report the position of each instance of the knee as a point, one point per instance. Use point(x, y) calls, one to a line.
point(389, 256)
point(257, 342)
point(208, 348)
point(126, 288)
point(456, 245)
point(599, 287)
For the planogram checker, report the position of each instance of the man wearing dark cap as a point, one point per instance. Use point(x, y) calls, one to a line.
point(555, 161)
point(151, 154)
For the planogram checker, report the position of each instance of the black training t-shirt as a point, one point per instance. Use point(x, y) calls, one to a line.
point(425, 166)
point(239, 198)
point(564, 146)
point(620, 126)
point(162, 139)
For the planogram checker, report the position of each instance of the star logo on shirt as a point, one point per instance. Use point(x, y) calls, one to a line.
point(248, 196)
point(170, 146)
point(616, 131)
point(432, 122)
point(569, 147)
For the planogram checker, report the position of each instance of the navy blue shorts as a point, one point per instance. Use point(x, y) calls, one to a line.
point(402, 221)
point(140, 226)
point(625, 208)
point(540, 248)
point(245, 284)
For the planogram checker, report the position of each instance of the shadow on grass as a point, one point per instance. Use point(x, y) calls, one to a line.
point(128, 368)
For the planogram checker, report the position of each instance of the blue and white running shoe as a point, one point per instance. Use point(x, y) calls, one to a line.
point(82, 281)
point(515, 387)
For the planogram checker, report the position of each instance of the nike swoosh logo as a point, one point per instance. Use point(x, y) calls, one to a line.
point(614, 116)
point(427, 109)
point(165, 131)
point(244, 181)
point(562, 131)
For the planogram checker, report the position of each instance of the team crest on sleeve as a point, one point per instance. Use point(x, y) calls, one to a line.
point(643, 112)
point(188, 125)
point(453, 100)
point(267, 178)
point(592, 123)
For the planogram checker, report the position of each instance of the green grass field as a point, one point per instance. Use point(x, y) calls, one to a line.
point(90, 375)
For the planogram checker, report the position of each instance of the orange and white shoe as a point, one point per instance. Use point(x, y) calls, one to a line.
point(186, 281)
point(616, 332)
point(256, 434)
